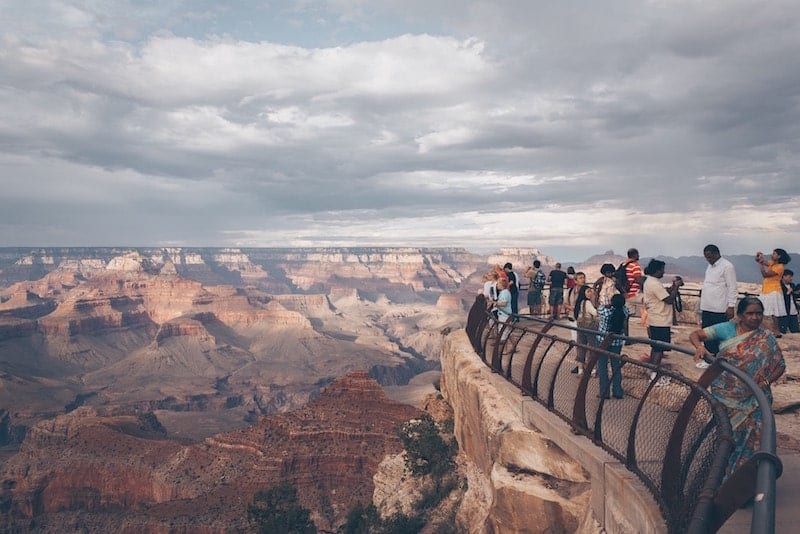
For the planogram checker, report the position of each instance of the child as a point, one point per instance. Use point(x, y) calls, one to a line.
point(612, 321)
point(789, 323)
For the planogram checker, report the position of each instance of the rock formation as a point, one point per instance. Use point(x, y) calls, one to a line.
point(518, 480)
point(121, 472)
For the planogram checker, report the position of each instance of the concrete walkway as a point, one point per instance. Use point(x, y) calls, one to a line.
point(787, 516)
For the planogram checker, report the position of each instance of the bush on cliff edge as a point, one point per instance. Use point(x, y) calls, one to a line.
point(278, 510)
point(426, 452)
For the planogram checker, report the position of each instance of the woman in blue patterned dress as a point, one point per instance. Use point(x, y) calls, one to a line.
point(754, 350)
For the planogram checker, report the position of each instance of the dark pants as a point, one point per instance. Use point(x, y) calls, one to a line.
point(788, 323)
point(515, 302)
point(708, 318)
point(616, 373)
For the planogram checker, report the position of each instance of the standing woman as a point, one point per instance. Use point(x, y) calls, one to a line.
point(612, 321)
point(771, 292)
point(503, 304)
point(606, 286)
point(754, 350)
point(572, 285)
point(586, 317)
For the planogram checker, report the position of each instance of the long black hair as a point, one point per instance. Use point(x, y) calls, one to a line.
point(616, 323)
point(783, 256)
point(579, 301)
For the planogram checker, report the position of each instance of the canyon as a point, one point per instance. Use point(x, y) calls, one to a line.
point(158, 389)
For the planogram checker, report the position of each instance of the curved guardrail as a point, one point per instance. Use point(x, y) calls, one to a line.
point(677, 439)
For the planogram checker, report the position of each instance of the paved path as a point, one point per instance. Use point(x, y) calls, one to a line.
point(787, 516)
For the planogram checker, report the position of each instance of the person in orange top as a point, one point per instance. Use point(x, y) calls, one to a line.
point(771, 292)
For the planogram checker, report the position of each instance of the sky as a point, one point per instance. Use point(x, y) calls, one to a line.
point(574, 127)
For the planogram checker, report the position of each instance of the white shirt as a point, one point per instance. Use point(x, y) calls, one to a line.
point(719, 287)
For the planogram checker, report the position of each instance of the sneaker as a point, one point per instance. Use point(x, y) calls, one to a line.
point(653, 375)
point(663, 381)
point(702, 364)
point(580, 371)
point(594, 372)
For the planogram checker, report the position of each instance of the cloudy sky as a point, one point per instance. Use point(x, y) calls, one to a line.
point(571, 126)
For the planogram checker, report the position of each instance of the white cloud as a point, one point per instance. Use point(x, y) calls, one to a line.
point(382, 122)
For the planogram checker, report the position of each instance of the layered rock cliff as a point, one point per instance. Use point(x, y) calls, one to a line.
point(117, 473)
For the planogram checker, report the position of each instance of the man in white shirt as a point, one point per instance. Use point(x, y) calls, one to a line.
point(718, 297)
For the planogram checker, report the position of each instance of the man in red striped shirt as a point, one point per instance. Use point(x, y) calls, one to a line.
point(634, 274)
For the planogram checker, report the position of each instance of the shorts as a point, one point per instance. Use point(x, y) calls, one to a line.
point(556, 296)
point(660, 333)
point(774, 305)
point(534, 297)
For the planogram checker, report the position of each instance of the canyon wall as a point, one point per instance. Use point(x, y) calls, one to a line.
point(84, 471)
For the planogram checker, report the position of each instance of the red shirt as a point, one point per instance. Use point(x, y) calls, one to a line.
point(634, 273)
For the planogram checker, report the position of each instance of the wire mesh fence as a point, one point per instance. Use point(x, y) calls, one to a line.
point(675, 437)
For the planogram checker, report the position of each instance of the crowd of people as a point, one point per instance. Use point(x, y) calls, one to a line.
point(743, 331)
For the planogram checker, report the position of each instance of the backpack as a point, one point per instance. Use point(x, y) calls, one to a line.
point(538, 281)
point(621, 276)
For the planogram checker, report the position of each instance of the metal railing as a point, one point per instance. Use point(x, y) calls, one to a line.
point(677, 439)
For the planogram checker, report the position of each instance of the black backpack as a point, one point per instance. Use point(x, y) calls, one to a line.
point(621, 276)
point(538, 281)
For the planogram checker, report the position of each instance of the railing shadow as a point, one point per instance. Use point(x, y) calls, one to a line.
point(677, 438)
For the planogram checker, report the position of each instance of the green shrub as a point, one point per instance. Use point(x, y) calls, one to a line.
point(362, 520)
point(403, 524)
point(278, 510)
point(426, 452)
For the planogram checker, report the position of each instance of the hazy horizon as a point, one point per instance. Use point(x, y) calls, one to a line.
point(570, 256)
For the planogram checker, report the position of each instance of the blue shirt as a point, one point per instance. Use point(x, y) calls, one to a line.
point(604, 315)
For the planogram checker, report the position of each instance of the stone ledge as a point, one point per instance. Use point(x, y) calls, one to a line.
point(618, 500)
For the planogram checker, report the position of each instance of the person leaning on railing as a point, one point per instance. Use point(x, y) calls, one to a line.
point(754, 350)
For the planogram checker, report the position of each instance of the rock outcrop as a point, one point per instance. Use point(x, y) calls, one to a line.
point(518, 480)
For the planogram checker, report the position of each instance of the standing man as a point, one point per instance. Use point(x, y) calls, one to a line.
point(535, 288)
point(718, 296)
point(556, 299)
point(513, 287)
point(633, 272)
point(633, 275)
point(658, 303)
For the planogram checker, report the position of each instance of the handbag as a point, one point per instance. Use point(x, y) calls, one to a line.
point(586, 320)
